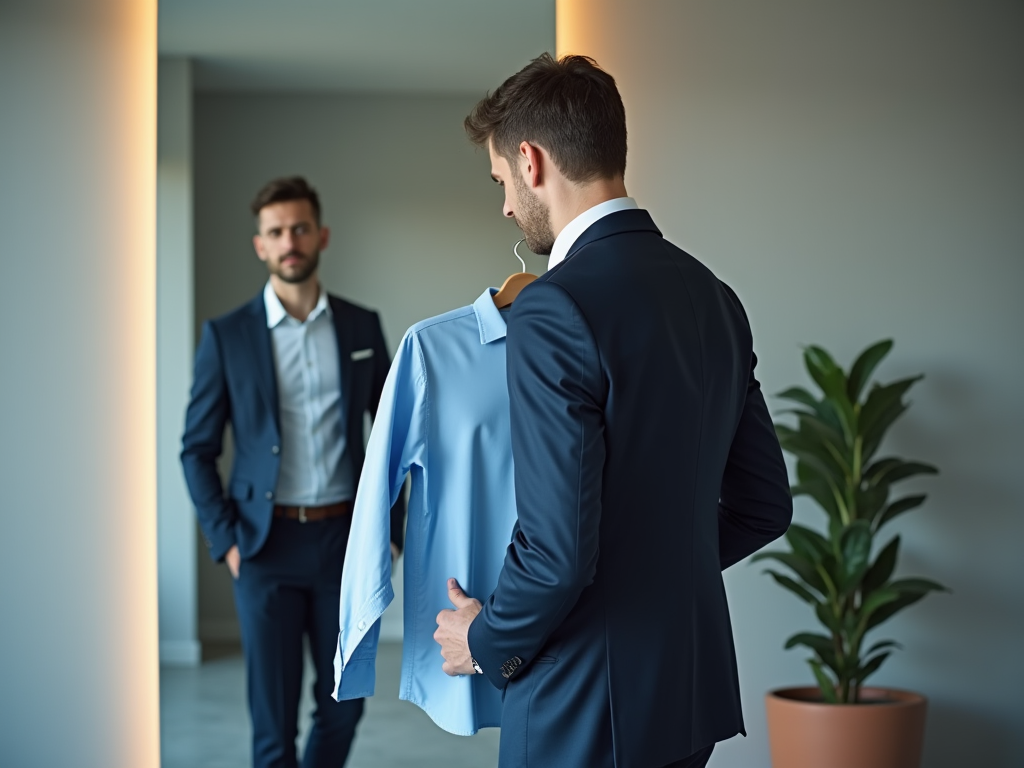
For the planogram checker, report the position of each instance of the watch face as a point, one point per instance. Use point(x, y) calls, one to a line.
point(476, 666)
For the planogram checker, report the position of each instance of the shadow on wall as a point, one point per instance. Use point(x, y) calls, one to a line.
point(938, 544)
point(954, 735)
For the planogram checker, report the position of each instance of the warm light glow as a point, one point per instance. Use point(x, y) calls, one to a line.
point(141, 685)
point(569, 19)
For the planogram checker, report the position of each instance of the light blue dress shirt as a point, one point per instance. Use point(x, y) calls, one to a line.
point(444, 419)
point(315, 467)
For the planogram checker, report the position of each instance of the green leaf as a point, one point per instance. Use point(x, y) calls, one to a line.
point(892, 470)
point(821, 492)
point(799, 395)
point(909, 591)
point(855, 546)
point(800, 566)
point(872, 438)
point(807, 543)
point(825, 372)
point(871, 666)
point(917, 586)
point(877, 600)
point(908, 469)
point(822, 488)
point(822, 409)
point(883, 644)
point(824, 614)
point(870, 501)
point(828, 688)
point(810, 450)
point(883, 406)
point(864, 366)
point(876, 471)
point(881, 570)
point(829, 443)
point(898, 507)
point(794, 586)
point(881, 398)
point(832, 380)
point(820, 644)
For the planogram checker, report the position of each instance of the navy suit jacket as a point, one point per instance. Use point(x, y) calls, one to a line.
point(645, 464)
point(235, 381)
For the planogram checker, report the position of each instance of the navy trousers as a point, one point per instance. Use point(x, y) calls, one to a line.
point(288, 590)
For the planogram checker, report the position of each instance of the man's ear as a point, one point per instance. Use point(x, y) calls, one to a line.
point(257, 244)
point(325, 237)
point(531, 164)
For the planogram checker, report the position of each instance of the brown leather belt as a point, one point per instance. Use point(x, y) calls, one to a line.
point(313, 514)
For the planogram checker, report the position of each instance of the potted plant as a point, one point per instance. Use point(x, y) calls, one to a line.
point(844, 576)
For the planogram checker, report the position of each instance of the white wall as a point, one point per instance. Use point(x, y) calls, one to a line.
point(78, 633)
point(176, 534)
point(416, 221)
point(854, 171)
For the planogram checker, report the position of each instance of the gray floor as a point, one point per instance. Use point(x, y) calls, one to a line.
point(204, 722)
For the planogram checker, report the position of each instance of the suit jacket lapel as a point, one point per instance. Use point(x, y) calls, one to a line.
point(263, 357)
point(633, 220)
point(343, 332)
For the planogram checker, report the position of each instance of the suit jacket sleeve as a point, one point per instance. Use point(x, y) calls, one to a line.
point(381, 365)
point(556, 392)
point(207, 415)
point(755, 506)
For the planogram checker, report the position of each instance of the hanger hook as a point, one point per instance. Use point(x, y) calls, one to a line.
point(515, 250)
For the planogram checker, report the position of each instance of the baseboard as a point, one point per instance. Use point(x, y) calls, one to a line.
point(180, 653)
point(219, 631)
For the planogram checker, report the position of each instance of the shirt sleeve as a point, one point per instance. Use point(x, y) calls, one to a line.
point(397, 442)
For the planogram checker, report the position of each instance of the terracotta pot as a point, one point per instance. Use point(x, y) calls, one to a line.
point(886, 730)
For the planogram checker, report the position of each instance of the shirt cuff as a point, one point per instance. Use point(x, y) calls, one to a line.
point(358, 678)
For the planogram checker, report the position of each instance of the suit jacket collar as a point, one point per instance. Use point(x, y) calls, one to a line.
point(340, 312)
point(634, 220)
point(263, 355)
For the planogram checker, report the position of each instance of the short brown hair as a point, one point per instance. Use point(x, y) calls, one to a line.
point(570, 107)
point(283, 189)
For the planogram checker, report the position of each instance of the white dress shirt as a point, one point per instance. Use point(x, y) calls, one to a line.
point(315, 466)
point(581, 223)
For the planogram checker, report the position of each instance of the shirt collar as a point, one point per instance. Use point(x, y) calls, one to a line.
point(276, 311)
point(489, 318)
point(582, 223)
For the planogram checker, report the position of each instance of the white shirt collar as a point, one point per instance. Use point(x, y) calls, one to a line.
point(582, 223)
point(276, 311)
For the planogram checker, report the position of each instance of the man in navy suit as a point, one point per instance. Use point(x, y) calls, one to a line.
point(645, 458)
point(294, 371)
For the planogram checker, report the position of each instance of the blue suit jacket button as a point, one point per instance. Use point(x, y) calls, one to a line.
point(270, 495)
point(275, 450)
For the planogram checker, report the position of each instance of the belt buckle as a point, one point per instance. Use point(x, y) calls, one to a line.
point(302, 515)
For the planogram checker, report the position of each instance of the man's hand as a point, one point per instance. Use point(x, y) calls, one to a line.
point(394, 552)
point(453, 631)
point(234, 561)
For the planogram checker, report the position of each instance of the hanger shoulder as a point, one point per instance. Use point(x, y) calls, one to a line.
point(511, 287)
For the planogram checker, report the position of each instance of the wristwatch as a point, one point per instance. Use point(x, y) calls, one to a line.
point(476, 665)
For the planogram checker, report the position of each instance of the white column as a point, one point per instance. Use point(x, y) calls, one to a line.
point(78, 594)
point(176, 535)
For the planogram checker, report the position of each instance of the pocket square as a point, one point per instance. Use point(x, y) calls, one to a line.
point(362, 354)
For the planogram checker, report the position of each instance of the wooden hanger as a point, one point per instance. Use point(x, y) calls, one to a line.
point(514, 283)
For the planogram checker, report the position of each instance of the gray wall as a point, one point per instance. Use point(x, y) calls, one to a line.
point(416, 222)
point(78, 613)
point(176, 533)
point(854, 171)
